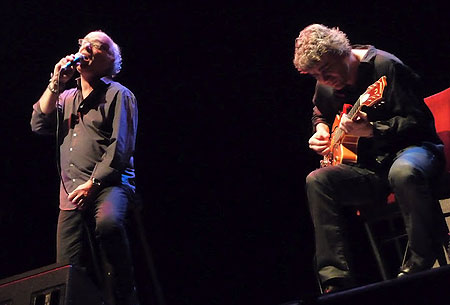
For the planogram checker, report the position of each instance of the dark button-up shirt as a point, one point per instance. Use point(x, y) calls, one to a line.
point(401, 121)
point(97, 136)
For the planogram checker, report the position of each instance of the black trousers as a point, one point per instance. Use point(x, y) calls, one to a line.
point(107, 213)
point(331, 189)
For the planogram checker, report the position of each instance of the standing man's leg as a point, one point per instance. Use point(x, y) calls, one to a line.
point(111, 210)
point(69, 238)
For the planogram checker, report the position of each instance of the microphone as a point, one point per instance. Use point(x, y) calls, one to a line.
point(77, 58)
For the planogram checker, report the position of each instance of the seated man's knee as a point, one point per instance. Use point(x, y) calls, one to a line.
point(314, 179)
point(317, 184)
point(404, 174)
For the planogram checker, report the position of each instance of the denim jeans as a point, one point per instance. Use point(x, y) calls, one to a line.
point(331, 189)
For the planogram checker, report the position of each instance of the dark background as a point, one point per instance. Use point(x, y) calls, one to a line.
point(224, 122)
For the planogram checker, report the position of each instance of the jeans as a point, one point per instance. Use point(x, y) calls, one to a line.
point(107, 213)
point(331, 189)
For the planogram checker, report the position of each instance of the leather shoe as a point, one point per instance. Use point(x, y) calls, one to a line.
point(411, 267)
point(337, 284)
point(331, 289)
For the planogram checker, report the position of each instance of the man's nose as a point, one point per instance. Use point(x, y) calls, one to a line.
point(322, 79)
point(326, 77)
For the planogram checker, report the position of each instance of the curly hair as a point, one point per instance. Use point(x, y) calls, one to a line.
point(314, 41)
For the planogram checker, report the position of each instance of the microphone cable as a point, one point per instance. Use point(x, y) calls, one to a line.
point(78, 57)
point(58, 152)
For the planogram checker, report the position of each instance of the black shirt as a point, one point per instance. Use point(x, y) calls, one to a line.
point(97, 136)
point(401, 121)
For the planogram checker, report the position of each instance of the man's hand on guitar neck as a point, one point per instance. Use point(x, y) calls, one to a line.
point(359, 126)
point(320, 140)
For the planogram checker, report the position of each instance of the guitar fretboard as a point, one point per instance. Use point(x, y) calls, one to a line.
point(338, 133)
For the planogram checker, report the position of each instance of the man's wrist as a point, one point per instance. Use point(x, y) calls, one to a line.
point(54, 85)
point(323, 127)
point(52, 88)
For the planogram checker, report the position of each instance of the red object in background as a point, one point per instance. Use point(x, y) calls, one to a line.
point(439, 105)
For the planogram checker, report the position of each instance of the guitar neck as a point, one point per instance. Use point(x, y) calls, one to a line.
point(339, 133)
point(356, 107)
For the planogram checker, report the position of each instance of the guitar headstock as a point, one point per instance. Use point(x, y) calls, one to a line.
point(374, 93)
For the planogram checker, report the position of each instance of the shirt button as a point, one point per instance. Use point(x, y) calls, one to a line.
point(71, 149)
point(73, 180)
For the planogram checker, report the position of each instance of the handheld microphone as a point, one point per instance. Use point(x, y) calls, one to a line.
point(77, 58)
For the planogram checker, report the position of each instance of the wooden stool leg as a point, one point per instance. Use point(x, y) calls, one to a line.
point(319, 282)
point(137, 215)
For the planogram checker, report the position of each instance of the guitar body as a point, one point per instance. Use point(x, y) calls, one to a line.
point(344, 151)
point(343, 147)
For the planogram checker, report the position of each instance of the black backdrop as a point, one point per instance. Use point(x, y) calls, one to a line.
point(224, 120)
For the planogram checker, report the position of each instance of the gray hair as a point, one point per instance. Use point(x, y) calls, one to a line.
point(116, 53)
point(316, 40)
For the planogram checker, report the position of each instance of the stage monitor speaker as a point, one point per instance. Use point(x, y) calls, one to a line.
point(50, 285)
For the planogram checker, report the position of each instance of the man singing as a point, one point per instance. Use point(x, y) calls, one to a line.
point(96, 124)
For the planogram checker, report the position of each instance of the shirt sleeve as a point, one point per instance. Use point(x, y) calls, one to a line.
point(325, 106)
point(409, 118)
point(119, 152)
point(317, 118)
point(42, 123)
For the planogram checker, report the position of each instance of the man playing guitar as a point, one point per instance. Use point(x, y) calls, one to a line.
point(393, 141)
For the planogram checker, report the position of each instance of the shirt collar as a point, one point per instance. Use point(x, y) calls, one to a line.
point(102, 82)
point(365, 68)
point(370, 54)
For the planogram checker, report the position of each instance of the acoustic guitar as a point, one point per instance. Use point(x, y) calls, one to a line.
point(343, 147)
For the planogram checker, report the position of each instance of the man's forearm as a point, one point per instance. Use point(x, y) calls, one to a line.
point(47, 102)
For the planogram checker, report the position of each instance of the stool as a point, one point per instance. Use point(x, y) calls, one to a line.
point(392, 217)
point(389, 220)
